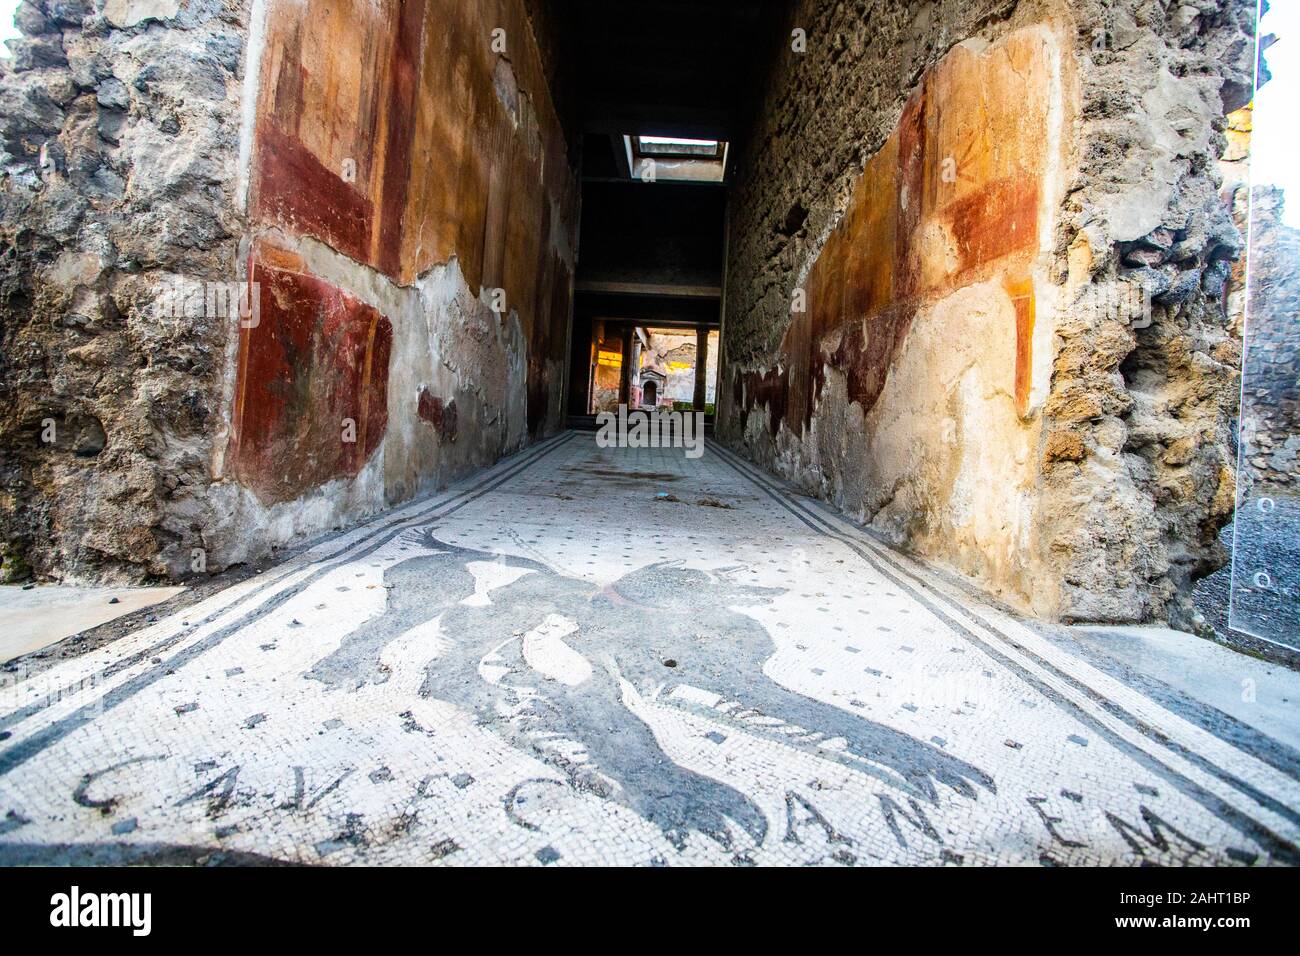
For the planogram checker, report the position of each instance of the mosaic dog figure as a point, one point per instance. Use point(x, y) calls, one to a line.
point(548, 662)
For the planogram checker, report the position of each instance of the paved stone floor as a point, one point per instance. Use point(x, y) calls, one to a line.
point(35, 617)
point(589, 656)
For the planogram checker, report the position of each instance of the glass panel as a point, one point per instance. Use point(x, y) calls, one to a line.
point(1265, 598)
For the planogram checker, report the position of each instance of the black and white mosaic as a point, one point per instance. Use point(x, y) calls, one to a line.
point(547, 666)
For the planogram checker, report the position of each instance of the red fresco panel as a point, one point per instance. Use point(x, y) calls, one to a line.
point(295, 190)
point(404, 82)
point(316, 359)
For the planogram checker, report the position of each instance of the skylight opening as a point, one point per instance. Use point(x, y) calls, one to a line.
point(676, 146)
point(676, 158)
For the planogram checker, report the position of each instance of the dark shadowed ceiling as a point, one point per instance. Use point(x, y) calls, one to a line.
point(652, 252)
point(668, 67)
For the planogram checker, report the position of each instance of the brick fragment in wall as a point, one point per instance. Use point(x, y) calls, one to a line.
point(1064, 446)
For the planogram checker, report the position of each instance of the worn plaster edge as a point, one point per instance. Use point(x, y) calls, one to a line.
point(255, 51)
point(250, 93)
point(339, 503)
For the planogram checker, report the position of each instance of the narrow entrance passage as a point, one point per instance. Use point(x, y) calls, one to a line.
point(308, 309)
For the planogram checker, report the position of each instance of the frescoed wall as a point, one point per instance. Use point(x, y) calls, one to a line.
point(910, 349)
point(412, 211)
point(975, 291)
